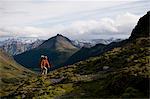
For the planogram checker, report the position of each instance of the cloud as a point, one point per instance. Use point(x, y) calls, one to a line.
point(72, 18)
point(24, 32)
point(121, 24)
point(47, 12)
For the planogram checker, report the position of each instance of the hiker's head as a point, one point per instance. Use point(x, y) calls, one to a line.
point(42, 56)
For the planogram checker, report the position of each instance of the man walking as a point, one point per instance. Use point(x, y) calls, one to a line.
point(44, 64)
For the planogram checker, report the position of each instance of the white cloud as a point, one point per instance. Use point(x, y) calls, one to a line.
point(38, 18)
point(24, 32)
point(121, 24)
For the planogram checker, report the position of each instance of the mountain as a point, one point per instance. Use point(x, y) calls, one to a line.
point(106, 41)
point(82, 43)
point(93, 42)
point(11, 73)
point(58, 42)
point(142, 29)
point(58, 49)
point(35, 44)
point(85, 52)
point(122, 72)
point(19, 45)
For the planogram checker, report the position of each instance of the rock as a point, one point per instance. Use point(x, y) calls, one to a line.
point(105, 67)
point(23, 96)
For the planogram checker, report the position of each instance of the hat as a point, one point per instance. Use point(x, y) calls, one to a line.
point(42, 56)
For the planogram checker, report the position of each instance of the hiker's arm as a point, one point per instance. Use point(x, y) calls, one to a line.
point(48, 64)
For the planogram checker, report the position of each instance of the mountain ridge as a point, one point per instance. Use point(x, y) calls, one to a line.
point(142, 29)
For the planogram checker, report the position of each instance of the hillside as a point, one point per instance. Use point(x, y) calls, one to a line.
point(11, 73)
point(58, 49)
point(123, 72)
point(128, 77)
point(85, 53)
point(98, 49)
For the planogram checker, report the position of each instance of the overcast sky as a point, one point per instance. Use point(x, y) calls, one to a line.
point(76, 19)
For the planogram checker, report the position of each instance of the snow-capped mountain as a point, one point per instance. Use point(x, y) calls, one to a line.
point(16, 46)
point(93, 42)
point(83, 43)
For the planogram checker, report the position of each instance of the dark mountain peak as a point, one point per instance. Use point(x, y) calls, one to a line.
point(59, 35)
point(57, 42)
point(142, 27)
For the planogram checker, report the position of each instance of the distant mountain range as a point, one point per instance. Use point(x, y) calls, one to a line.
point(93, 42)
point(16, 46)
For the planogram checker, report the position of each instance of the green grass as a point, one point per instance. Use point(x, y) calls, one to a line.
point(11, 74)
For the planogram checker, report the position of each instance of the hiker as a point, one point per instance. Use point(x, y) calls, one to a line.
point(44, 64)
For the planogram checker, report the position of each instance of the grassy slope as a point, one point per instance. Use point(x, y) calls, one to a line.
point(128, 76)
point(10, 73)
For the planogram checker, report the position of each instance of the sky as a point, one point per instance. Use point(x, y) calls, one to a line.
point(76, 19)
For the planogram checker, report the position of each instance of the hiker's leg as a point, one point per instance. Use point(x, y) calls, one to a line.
point(45, 70)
